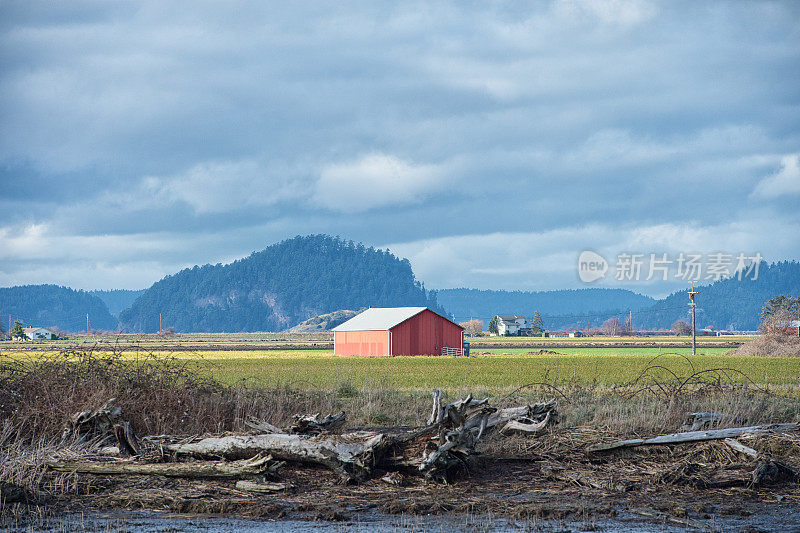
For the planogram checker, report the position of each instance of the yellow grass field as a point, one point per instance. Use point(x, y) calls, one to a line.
point(320, 369)
point(497, 371)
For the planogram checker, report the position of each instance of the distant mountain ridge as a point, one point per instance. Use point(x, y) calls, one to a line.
point(727, 303)
point(52, 305)
point(304, 277)
point(278, 287)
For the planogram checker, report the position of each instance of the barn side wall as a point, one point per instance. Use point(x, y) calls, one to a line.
point(368, 343)
point(425, 334)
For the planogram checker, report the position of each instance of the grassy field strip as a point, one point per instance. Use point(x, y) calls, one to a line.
point(605, 351)
point(613, 340)
point(187, 354)
point(319, 368)
point(488, 371)
point(261, 354)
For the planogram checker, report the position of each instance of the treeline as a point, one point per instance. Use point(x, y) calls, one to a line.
point(729, 303)
point(560, 308)
point(51, 305)
point(277, 288)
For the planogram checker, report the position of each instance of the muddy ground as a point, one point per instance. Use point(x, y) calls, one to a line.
point(531, 482)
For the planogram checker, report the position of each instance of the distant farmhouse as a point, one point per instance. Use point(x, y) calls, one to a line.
point(511, 325)
point(38, 333)
point(390, 331)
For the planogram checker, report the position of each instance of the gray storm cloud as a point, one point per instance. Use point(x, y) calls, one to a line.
point(153, 136)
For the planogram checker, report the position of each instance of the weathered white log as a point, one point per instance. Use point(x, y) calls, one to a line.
point(351, 455)
point(217, 469)
point(516, 426)
point(261, 425)
point(265, 488)
point(697, 436)
point(739, 447)
point(454, 413)
point(437, 412)
point(510, 413)
point(535, 413)
point(314, 425)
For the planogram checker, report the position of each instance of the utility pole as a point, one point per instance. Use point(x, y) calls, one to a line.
point(87, 323)
point(692, 304)
point(160, 329)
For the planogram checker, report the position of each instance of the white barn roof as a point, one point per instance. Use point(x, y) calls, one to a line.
point(381, 318)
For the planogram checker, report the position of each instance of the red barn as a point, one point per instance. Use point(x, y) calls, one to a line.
point(382, 331)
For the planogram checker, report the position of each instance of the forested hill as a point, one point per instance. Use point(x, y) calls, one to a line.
point(277, 288)
point(51, 305)
point(729, 303)
point(556, 306)
point(117, 299)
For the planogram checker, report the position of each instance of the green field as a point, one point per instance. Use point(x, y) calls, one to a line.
point(624, 350)
point(600, 339)
point(500, 368)
point(496, 371)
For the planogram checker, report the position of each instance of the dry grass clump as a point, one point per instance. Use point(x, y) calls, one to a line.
point(160, 395)
point(771, 345)
point(155, 394)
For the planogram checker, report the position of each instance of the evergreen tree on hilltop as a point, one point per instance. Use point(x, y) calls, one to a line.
point(278, 287)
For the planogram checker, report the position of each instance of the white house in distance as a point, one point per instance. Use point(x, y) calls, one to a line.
point(38, 333)
point(510, 324)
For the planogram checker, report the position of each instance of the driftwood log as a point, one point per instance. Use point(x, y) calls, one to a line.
point(433, 450)
point(93, 424)
point(463, 423)
point(697, 436)
point(741, 448)
point(265, 488)
point(314, 425)
point(257, 466)
point(532, 428)
point(447, 442)
point(261, 425)
point(302, 425)
point(352, 456)
point(126, 439)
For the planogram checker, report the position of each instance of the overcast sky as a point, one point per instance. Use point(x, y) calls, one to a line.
point(488, 142)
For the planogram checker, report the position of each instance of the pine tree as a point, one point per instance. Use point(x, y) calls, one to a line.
point(493, 325)
point(537, 324)
point(17, 332)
